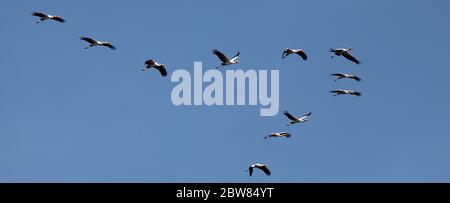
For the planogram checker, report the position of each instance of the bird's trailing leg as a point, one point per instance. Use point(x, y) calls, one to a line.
point(88, 47)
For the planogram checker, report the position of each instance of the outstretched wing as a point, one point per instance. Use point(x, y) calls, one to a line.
point(162, 70)
point(88, 39)
point(286, 134)
point(235, 57)
point(357, 93)
point(266, 170)
point(220, 55)
point(356, 78)
point(302, 54)
point(290, 116)
point(336, 91)
point(285, 54)
point(109, 45)
point(39, 14)
point(150, 62)
point(350, 57)
point(338, 74)
point(59, 19)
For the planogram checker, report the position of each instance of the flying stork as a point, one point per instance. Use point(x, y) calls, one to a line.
point(262, 167)
point(225, 60)
point(299, 52)
point(295, 120)
point(344, 75)
point(153, 64)
point(339, 92)
point(346, 53)
point(280, 134)
point(92, 42)
point(43, 16)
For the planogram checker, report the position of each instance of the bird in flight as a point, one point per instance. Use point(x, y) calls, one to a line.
point(344, 75)
point(43, 16)
point(295, 119)
point(153, 64)
point(225, 60)
point(346, 53)
point(299, 52)
point(92, 42)
point(262, 167)
point(351, 92)
point(280, 134)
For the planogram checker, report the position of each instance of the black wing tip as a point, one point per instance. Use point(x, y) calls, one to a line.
point(303, 55)
point(61, 20)
point(162, 70)
point(36, 13)
point(267, 171)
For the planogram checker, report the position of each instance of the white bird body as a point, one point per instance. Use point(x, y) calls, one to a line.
point(280, 134)
point(43, 16)
point(295, 119)
point(225, 60)
point(346, 53)
point(344, 75)
point(341, 91)
point(299, 52)
point(92, 42)
point(263, 167)
point(153, 64)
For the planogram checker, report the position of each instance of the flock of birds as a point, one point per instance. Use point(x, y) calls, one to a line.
point(225, 61)
point(294, 119)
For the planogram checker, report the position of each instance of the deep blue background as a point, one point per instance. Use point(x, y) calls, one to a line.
point(74, 115)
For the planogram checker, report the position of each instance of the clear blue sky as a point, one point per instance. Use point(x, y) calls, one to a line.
point(74, 115)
